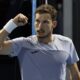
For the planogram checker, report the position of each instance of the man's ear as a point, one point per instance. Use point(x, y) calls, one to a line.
point(54, 24)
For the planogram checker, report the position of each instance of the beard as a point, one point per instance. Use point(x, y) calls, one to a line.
point(44, 35)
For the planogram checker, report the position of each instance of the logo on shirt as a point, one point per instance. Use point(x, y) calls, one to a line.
point(33, 52)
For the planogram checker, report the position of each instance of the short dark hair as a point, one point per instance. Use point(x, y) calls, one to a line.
point(46, 8)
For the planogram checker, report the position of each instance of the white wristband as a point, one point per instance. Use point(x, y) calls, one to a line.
point(10, 26)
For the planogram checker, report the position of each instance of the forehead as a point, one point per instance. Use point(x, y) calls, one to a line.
point(43, 16)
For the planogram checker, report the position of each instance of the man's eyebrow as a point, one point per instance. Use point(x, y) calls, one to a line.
point(46, 20)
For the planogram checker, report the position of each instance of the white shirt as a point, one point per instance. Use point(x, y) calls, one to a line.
point(40, 61)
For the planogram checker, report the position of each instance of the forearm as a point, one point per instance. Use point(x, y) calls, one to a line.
point(75, 77)
point(75, 72)
point(7, 29)
point(5, 45)
point(19, 20)
point(3, 35)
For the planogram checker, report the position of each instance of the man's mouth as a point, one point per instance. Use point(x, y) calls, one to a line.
point(40, 31)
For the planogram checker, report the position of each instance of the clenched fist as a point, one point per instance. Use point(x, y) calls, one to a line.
point(20, 19)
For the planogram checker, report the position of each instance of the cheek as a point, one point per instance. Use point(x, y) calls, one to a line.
point(35, 25)
point(47, 28)
point(50, 27)
point(35, 28)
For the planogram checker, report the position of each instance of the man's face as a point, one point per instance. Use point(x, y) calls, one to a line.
point(44, 24)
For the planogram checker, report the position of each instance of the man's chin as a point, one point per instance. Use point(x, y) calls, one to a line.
point(41, 36)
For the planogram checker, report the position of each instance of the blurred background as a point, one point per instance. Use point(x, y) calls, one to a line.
point(68, 25)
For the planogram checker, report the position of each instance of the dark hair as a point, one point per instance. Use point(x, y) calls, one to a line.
point(46, 8)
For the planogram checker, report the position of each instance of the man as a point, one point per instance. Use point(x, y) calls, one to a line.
point(43, 56)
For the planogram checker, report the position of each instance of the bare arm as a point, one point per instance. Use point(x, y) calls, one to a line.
point(5, 46)
point(75, 74)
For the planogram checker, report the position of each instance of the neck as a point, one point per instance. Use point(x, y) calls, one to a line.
point(46, 39)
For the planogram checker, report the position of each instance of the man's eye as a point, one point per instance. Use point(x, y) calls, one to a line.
point(46, 22)
point(37, 21)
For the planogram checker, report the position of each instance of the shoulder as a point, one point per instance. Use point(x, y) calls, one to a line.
point(63, 39)
point(32, 37)
point(29, 38)
point(23, 41)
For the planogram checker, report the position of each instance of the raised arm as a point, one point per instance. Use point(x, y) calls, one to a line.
point(5, 46)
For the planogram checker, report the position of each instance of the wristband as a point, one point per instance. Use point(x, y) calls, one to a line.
point(10, 26)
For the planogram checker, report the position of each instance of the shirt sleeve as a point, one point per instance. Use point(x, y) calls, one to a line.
point(17, 45)
point(73, 56)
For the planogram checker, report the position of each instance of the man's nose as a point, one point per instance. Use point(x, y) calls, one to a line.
point(40, 25)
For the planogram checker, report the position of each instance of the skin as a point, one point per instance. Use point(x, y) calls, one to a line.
point(44, 27)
